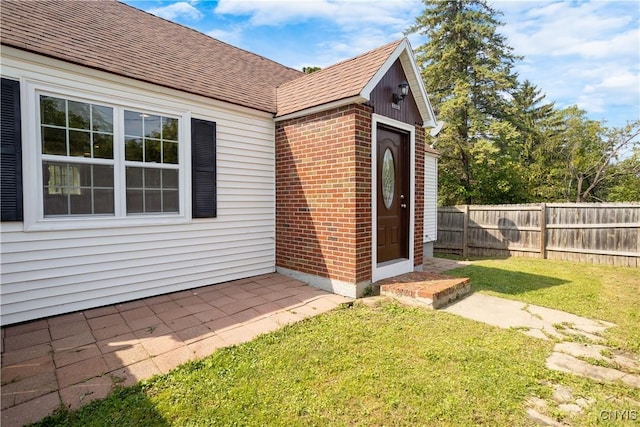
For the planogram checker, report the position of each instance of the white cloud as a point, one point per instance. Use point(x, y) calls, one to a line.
point(563, 28)
point(622, 80)
point(232, 37)
point(271, 12)
point(594, 103)
point(618, 45)
point(178, 10)
point(349, 45)
point(349, 13)
point(615, 87)
point(585, 53)
point(352, 27)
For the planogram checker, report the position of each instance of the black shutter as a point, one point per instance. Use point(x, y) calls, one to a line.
point(203, 168)
point(10, 152)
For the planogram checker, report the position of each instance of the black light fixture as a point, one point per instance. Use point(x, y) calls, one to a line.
point(404, 91)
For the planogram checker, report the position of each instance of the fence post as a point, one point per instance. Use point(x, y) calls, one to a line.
point(465, 231)
point(543, 230)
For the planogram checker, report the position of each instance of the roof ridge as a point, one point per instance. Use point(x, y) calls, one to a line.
point(315, 74)
point(205, 35)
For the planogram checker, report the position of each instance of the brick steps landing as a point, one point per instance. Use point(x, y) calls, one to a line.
point(425, 288)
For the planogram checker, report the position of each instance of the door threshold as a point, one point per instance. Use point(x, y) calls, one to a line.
point(391, 262)
point(392, 268)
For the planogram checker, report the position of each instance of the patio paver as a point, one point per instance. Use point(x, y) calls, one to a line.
point(75, 358)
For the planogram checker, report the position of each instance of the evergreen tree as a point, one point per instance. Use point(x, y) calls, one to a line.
point(538, 125)
point(467, 69)
point(534, 120)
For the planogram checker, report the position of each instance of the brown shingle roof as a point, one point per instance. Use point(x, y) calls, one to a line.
point(119, 39)
point(340, 81)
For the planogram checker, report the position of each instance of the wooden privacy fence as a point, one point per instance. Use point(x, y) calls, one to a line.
point(600, 233)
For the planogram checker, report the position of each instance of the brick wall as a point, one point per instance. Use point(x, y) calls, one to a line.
point(323, 194)
point(363, 195)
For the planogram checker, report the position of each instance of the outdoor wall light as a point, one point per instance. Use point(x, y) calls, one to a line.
point(404, 91)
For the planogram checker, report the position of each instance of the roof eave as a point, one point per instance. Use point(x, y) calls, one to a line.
point(358, 99)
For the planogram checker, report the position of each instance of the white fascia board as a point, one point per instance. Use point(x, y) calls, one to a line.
point(368, 88)
point(415, 79)
point(324, 107)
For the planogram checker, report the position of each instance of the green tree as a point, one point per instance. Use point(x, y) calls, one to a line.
point(623, 181)
point(603, 168)
point(538, 124)
point(534, 119)
point(591, 163)
point(467, 69)
point(309, 70)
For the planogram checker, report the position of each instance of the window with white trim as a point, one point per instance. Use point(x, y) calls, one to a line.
point(151, 160)
point(77, 157)
point(101, 159)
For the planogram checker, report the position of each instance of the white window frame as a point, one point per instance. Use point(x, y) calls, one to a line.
point(34, 219)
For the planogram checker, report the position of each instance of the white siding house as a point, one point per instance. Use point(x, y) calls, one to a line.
point(53, 267)
point(139, 159)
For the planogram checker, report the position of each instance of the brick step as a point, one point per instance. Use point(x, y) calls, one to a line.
point(429, 289)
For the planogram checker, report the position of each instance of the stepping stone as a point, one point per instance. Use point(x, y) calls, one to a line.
point(541, 419)
point(562, 394)
point(593, 351)
point(570, 408)
point(566, 363)
point(535, 321)
point(627, 362)
point(568, 332)
point(585, 403)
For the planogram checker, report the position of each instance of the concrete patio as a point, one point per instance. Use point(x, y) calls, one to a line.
point(75, 358)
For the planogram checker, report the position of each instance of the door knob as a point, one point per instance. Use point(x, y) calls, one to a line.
point(403, 205)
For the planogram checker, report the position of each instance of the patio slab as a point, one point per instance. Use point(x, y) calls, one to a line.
point(78, 357)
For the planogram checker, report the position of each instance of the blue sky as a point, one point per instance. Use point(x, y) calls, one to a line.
point(584, 53)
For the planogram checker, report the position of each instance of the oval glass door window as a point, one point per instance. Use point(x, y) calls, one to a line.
point(388, 178)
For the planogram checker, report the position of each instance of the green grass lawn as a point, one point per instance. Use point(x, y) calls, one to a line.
point(596, 291)
point(389, 364)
